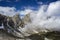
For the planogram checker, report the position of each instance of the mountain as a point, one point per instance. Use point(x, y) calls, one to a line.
point(17, 20)
point(11, 24)
point(11, 29)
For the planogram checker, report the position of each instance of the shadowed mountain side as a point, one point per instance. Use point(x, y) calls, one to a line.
point(54, 35)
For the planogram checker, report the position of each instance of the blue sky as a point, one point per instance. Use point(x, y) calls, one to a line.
point(20, 4)
point(11, 7)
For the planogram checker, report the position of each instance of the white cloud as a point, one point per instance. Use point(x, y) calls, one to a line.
point(9, 11)
point(54, 12)
point(24, 12)
point(54, 8)
point(46, 17)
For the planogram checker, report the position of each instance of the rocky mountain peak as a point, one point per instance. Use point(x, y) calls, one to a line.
point(26, 19)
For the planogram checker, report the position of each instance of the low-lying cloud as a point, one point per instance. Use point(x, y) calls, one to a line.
point(8, 11)
point(46, 17)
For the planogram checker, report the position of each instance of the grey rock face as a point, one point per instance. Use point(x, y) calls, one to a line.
point(17, 20)
point(11, 24)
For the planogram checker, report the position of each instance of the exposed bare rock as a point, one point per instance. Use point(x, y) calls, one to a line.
point(3, 20)
point(9, 24)
point(17, 20)
point(26, 19)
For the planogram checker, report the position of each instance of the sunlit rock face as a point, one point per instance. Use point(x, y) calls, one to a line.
point(17, 20)
point(26, 19)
